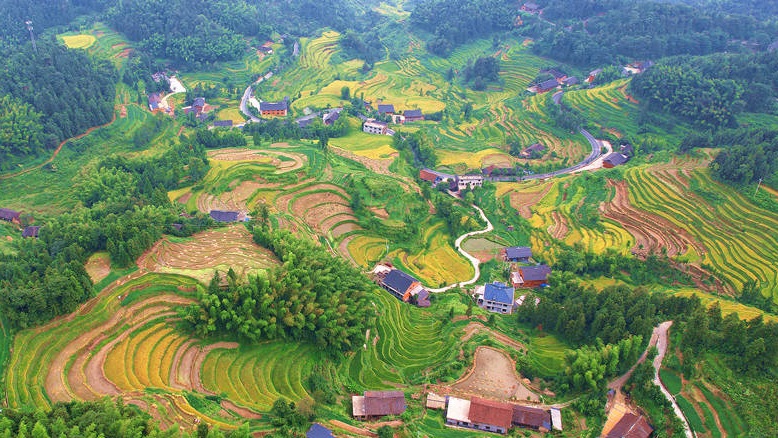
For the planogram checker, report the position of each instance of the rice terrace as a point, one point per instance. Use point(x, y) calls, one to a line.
point(439, 218)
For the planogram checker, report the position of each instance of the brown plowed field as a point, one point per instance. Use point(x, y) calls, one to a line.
point(523, 201)
point(559, 229)
point(494, 375)
point(207, 251)
point(653, 234)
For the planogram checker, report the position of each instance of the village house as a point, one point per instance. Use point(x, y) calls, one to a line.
point(374, 127)
point(491, 416)
point(458, 411)
point(518, 254)
point(531, 418)
point(331, 116)
point(495, 297)
point(548, 85)
point(401, 285)
point(631, 426)
point(593, 74)
point(556, 418)
point(10, 215)
point(376, 404)
point(462, 182)
point(225, 216)
point(222, 123)
point(531, 8)
point(31, 231)
point(614, 159)
point(318, 431)
point(413, 115)
point(572, 80)
point(275, 109)
point(532, 276)
point(385, 109)
point(154, 101)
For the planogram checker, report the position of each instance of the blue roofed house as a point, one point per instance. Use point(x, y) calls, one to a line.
point(496, 297)
point(224, 216)
point(318, 431)
point(518, 253)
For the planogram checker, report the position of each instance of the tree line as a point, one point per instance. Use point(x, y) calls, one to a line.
point(311, 297)
point(49, 96)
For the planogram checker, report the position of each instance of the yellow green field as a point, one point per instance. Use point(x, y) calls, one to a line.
point(81, 41)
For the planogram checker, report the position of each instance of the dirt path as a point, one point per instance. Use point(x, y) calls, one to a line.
point(661, 345)
point(474, 327)
point(59, 148)
point(353, 429)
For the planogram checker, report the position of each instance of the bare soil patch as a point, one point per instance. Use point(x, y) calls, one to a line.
point(241, 411)
point(98, 266)
point(183, 199)
point(353, 429)
point(494, 375)
point(475, 327)
point(380, 212)
point(559, 229)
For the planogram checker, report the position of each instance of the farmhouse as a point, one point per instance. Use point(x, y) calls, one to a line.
point(385, 109)
point(531, 418)
point(402, 285)
point(198, 107)
point(374, 127)
point(331, 116)
point(375, 404)
point(546, 86)
point(318, 431)
point(614, 159)
point(468, 181)
point(413, 115)
point(556, 418)
point(531, 8)
point(532, 151)
point(279, 109)
point(572, 80)
point(532, 276)
point(491, 416)
point(518, 253)
point(224, 216)
point(222, 123)
point(9, 215)
point(458, 412)
point(631, 426)
point(31, 231)
point(495, 297)
point(154, 101)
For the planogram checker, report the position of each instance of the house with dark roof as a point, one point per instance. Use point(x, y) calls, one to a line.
point(518, 253)
point(306, 121)
point(490, 416)
point(546, 86)
point(318, 431)
point(495, 297)
point(331, 116)
point(531, 418)
point(533, 276)
point(385, 109)
point(224, 216)
point(31, 231)
point(531, 8)
point(413, 115)
point(9, 215)
point(631, 426)
point(593, 74)
point(614, 159)
point(222, 123)
point(572, 80)
point(279, 109)
point(375, 404)
point(402, 285)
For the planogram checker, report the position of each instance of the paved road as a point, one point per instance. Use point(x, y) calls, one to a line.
point(474, 261)
point(596, 152)
point(244, 108)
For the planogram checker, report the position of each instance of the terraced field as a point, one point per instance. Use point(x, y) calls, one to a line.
point(203, 253)
point(739, 237)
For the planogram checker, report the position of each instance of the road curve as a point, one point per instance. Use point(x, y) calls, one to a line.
point(244, 103)
point(474, 261)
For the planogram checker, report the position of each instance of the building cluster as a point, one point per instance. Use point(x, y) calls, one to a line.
point(328, 117)
point(15, 217)
point(373, 126)
point(559, 79)
point(403, 286)
point(500, 297)
point(498, 417)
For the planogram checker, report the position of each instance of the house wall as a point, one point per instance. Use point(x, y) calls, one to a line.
point(496, 307)
point(273, 112)
point(533, 283)
point(373, 129)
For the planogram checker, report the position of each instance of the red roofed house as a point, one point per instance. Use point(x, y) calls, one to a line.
point(491, 416)
point(631, 426)
point(374, 404)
